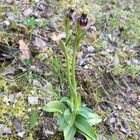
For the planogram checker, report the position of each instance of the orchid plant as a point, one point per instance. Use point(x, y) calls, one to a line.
point(72, 115)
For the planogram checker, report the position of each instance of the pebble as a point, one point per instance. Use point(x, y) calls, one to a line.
point(33, 100)
point(27, 12)
point(4, 129)
point(39, 43)
point(37, 83)
point(21, 134)
point(16, 125)
point(90, 49)
point(6, 23)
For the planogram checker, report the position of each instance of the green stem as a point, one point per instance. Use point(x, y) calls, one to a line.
point(68, 67)
point(73, 68)
point(74, 84)
point(76, 45)
point(72, 92)
point(71, 80)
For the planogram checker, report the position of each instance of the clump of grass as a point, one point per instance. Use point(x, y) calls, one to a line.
point(132, 70)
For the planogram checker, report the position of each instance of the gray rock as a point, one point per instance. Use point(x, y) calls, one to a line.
point(9, 1)
point(90, 49)
point(52, 23)
point(21, 134)
point(39, 43)
point(4, 129)
point(6, 23)
point(28, 12)
point(11, 16)
point(33, 100)
point(37, 83)
point(17, 125)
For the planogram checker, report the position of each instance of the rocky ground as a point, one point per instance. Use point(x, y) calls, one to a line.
point(32, 71)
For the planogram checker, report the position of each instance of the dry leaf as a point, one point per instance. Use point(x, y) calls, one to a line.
point(57, 36)
point(115, 60)
point(24, 50)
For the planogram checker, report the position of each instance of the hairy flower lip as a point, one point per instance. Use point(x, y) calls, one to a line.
point(83, 20)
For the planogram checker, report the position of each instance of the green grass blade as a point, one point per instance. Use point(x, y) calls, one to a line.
point(33, 119)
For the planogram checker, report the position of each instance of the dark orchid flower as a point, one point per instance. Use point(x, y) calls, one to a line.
point(83, 20)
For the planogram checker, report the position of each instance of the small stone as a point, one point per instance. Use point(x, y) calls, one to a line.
point(135, 62)
point(37, 83)
point(10, 16)
point(16, 125)
point(86, 67)
point(39, 43)
point(6, 23)
point(133, 97)
point(128, 90)
point(27, 12)
point(9, 1)
point(21, 134)
point(8, 71)
point(52, 23)
point(119, 107)
point(115, 61)
point(83, 62)
point(110, 36)
point(18, 94)
point(33, 100)
point(4, 129)
point(11, 97)
point(90, 49)
point(112, 120)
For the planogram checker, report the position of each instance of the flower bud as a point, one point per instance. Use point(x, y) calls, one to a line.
point(71, 12)
point(91, 33)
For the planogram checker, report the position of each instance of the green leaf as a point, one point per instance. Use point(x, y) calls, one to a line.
point(55, 106)
point(32, 119)
point(27, 62)
point(42, 22)
point(82, 124)
point(69, 132)
point(87, 137)
point(30, 21)
point(78, 100)
point(69, 117)
point(90, 115)
point(65, 100)
point(62, 123)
